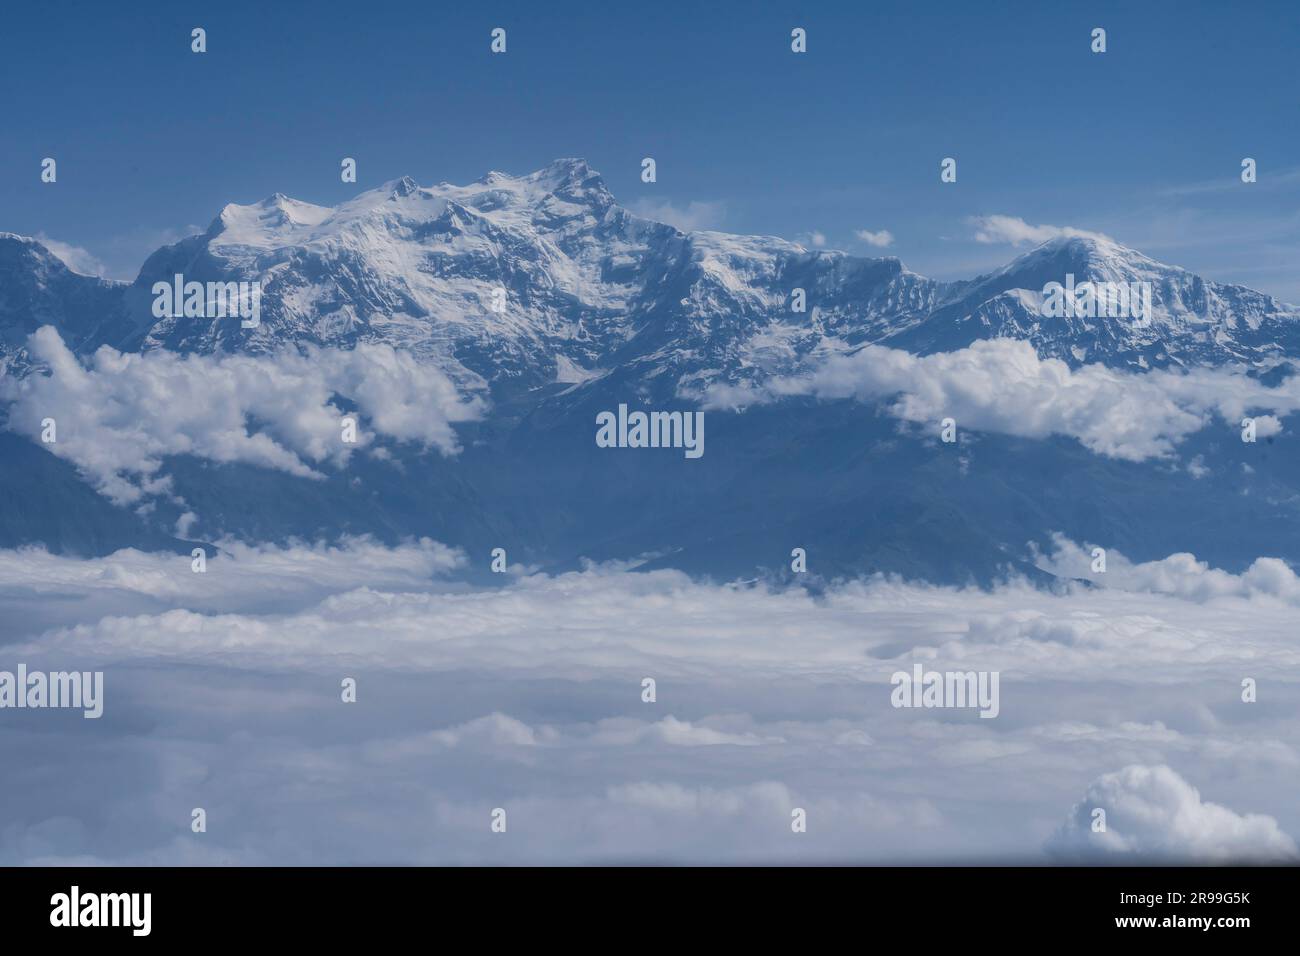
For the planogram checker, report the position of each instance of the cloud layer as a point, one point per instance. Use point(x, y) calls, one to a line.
point(40, 590)
point(530, 697)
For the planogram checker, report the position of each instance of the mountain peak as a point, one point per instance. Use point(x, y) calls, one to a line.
point(402, 187)
point(554, 175)
point(1083, 255)
point(262, 223)
point(14, 247)
point(1077, 239)
point(572, 167)
point(574, 180)
point(1094, 247)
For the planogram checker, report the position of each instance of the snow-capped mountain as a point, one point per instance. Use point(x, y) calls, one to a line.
point(1193, 321)
point(417, 268)
point(601, 307)
point(592, 290)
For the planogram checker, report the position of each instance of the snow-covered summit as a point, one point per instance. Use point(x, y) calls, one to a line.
point(564, 189)
point(523, 281)
point(275, 221)
point(1191, 320)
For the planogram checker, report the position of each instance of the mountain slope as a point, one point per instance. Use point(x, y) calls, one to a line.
point(37, 289)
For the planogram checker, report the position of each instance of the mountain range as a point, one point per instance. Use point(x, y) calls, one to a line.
point(601, 307)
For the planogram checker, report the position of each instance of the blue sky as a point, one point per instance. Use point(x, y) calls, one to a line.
point(1143, 142)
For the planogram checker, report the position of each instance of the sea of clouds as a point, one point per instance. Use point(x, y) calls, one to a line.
point(223, 692)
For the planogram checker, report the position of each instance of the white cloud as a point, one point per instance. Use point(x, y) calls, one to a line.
point(528, 696)
point(817, 239)
point(185, 523)
point(1178, 574)
point(119, 417)
point(1014, 230)
point(674, 732)
point(79, 260)
point(692, 217)
point(1001, 385)
point(240, 572)
point(378, 609)
point(1266, 426)
point(879, 239)
point(498, 730)
point(1154, 814)
point(494, 730)
point(39, 590)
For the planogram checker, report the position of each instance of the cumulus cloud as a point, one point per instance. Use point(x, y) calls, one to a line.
point(1154, 814)
point(879, 239)
point(1014, 230)
point(185, 522)
point(1266, 426)
point(120, 416)
point(691, 217)
point(1001, 385)
point(1178, 574)
point(496, 729)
